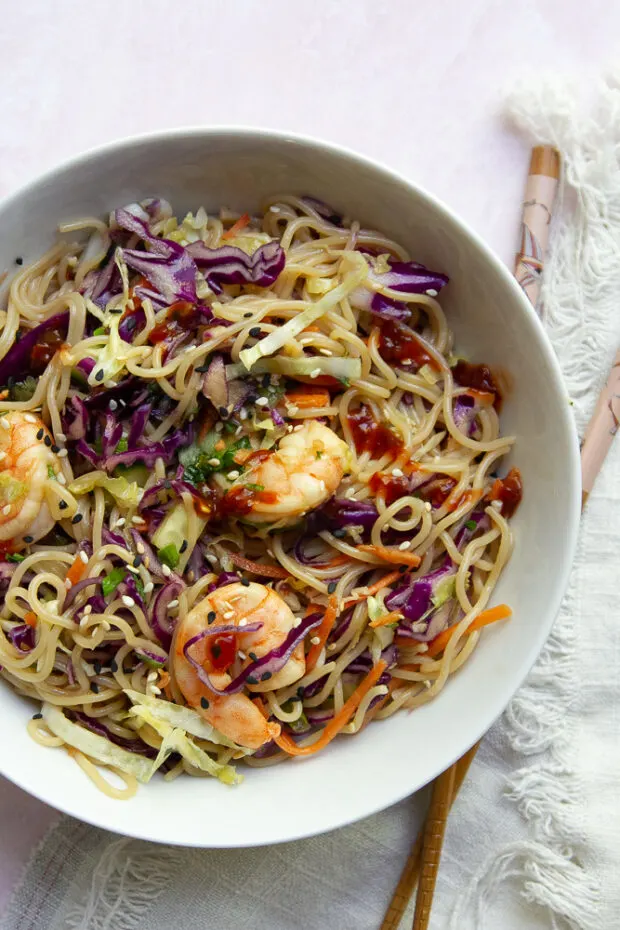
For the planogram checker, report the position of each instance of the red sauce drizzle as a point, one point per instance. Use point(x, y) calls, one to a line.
point(222, 650)
point(398, 344)
point(437, 490)
point(479, 377)
point(389, 487)
point(44, 350)
point(509, 491)
point(178, 320)
point(240, 500)
point(370, 436)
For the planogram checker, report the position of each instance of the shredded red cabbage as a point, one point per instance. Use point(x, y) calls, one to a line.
point(16, 362)
point(230, 265)
point(160, 620)
point(22, 635)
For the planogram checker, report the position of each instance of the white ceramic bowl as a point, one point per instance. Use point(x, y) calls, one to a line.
point(493, 323)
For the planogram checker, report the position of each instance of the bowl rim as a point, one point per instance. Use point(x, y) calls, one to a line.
point(357, 160)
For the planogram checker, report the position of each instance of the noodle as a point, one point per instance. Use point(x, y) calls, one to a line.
point(152, 422)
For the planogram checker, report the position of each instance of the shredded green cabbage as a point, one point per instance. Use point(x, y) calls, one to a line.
point(279, 337)
point(444, 590)
point(183, 718)
point(248, 242)
point(344, 369)
point(124, 492)
point(97, 747)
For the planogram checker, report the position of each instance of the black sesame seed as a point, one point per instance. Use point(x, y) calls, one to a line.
point(255, 332)
point(253, 656)
point(114, 665)
point(137, 562)
point(211, 616)
point(99, 375)
point(18, 335)
point(47, 441)
point(40, 433)
point(184, 545)
point(204, 703)
point(300, 693)
point(116, 310)
point(28, 539)
point(247, 316)
point(19, 260)
point(331, 587)
point(77, 518)
point(62, 505)
point(37, 716)
point(266, 381)
point(55, 448)
point(216, 651)
point(94, 687)
point(339, 534)
point(223, 412)
point(402, 569)
point(265, 676)
point(245, 582)
point(202, 368)
point(127, 670)
point(97, 667)
point(251, 680)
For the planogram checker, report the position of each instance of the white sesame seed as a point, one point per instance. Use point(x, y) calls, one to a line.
point(63, 454)
point(120, 522)
point(88, 609)
point(28, 417)
point(148, 587)
point(243, 622)
point(403, 546)
point(229, 615)
point(296, 622)
point(133, 569)
point(427, 684)
point(422, 647)
point(274, 209)
point(61, 478)
point(109, 384)
point(4, 423)
point(173, 604)
point(61, 437)
point(128, 601)
point(327, 352)
point(105, 625)
point(211, 558)
point(242, 655)
point(292, 409)
point(397, 472)
point(155, 689)
point(6, 509)
point(315, 640)
point(83, 621)
point(2, 455)
point(152, 676)
point(232, 475)
point(239, 430)
point(113, 405)
point(214, 462)
point(427, 506)
point(262, 401)
point(298, 427)
point(315, 372)
point(83, 557)
point(497, 505)
point(406, 361)
point(136, 520)
point(190, 348)
point(243, 414)
point(432, 292)
point(166, 571)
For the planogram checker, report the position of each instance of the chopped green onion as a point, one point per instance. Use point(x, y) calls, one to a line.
point(169, 555)
point(471, 524)
point(51, 473)
point(255, 487)
point(15, 557)
point(122, 445)
point(100, 331)
point(111, 582)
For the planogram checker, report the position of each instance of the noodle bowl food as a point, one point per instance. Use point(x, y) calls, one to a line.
point(251, 498)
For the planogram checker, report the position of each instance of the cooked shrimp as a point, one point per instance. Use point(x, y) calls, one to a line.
point(299, 476)
point(27, 464)
point(235, 715)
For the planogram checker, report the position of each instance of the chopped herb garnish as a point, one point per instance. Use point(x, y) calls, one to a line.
point(111, 582)
point(255, 487)
point(22, 390)
point(100, 331)
point(122, 445)
point(471, 524)
point(169, 555)
point(15, 557)
point(51, 473)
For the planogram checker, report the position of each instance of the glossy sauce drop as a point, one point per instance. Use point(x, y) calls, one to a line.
point(398, 345)
point(370, 436)
point(509, 491)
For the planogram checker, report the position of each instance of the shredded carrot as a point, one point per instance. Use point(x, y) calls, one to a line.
point(340, 720)
point(164, 678)
point(308, 397)
point(396, 556)
point(267, 571)
point(76, 570)
point(483, 397)
point(260, 704)
point(327, 625)
point(312, 329)
point(393, 617)
point(373, 588)
point(236, 228)
point(440, 642)
point(30, 618)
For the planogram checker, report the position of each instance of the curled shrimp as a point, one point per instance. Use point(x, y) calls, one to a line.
point(299, 476)
point(235, 715)
point(27, 465)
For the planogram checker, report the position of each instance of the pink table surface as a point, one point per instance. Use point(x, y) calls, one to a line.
point(417, 85)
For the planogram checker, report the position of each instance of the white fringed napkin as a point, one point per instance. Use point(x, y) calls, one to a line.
point(534, 839)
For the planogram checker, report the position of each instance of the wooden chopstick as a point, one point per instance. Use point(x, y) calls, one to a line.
point(434, 830)
point(411, 871)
